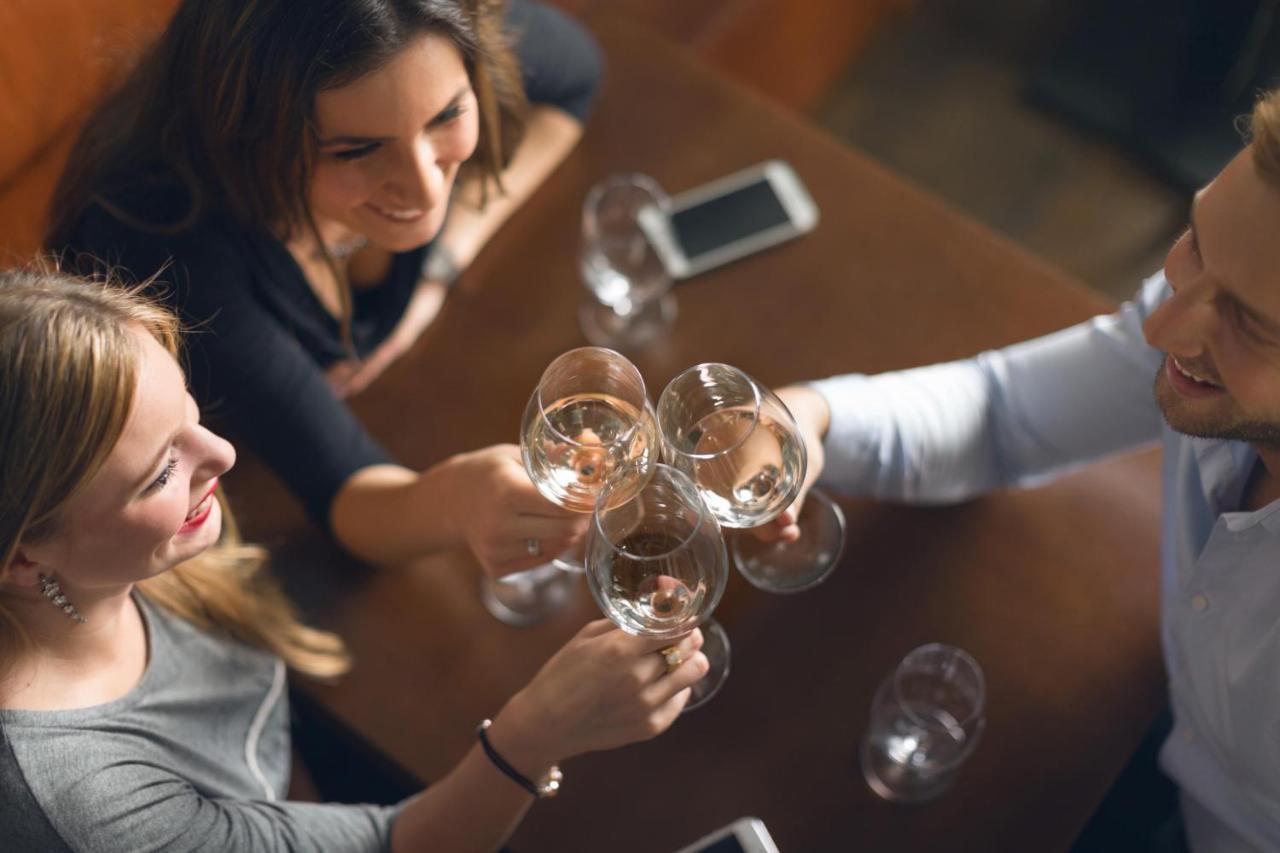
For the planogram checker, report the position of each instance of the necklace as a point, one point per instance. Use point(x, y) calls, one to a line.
point(344, 249)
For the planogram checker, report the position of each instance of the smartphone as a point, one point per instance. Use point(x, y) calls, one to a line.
point(745, 835)
point(733, 216)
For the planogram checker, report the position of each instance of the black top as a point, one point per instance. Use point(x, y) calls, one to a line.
point(258, 337)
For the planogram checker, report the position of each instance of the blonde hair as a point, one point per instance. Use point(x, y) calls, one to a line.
point(68, 369)
point(1264, 133)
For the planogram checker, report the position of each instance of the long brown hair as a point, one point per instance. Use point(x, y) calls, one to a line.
point(222, 108)
point(68, 369)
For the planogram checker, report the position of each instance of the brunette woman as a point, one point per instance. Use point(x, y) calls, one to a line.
point(287, 169)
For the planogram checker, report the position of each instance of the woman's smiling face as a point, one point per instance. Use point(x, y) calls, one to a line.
point(391, 143)
point(150, 506)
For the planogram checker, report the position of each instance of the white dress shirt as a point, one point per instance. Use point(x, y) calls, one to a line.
point(1016, 416)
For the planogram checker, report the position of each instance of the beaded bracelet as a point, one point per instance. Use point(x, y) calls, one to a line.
point(547, 786)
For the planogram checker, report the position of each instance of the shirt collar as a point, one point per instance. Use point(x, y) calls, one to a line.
point(1224, 473)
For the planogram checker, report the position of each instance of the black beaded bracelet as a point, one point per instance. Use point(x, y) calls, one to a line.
point(548, 786)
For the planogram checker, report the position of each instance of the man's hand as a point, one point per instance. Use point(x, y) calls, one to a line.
point(813, 416)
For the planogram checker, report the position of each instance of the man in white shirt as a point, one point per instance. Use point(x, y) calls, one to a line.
point(1208, 330)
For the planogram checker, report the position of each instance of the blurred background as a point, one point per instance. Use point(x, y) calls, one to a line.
point(1077, 128)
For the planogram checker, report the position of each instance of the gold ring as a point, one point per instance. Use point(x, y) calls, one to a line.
point(673, 656)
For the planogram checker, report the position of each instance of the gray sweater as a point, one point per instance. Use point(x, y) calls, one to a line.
point(195, 757)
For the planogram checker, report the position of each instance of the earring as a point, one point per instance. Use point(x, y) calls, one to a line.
point(49, 589)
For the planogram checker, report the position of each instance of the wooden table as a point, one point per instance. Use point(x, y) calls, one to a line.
point(1054, 590)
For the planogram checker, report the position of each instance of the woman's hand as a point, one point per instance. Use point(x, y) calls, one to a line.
point(499, 513)
point(813, 416)
point(603, 689)
point(347, 378)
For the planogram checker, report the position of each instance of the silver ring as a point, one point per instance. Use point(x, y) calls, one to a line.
point(533, 547)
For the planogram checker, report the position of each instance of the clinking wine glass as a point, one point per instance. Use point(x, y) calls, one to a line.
point(588, 420)
point(657, 566)
point(630, 287)
point(738, 441)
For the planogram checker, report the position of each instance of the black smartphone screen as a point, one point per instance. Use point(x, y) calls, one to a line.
point(728, 218)
point(724, 845)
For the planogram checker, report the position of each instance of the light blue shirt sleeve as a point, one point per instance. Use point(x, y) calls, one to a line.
point(1008, 417)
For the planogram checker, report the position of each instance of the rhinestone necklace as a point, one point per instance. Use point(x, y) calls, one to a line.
point(346, 248)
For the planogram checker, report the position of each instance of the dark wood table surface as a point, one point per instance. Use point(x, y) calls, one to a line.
point(1053, 590)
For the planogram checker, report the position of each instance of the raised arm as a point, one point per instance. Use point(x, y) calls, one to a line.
point(1007, 417)
point(253, 377)
point(387, 514)
point(601, 690)
point(277, 400)
point(560, 69)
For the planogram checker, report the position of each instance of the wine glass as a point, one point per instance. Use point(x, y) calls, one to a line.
point(926, 719)
point(657, 566)
point(738, 441)
point(631, 302)
point(588, 420)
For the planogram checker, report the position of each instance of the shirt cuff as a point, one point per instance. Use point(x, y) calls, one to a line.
point(848, 446)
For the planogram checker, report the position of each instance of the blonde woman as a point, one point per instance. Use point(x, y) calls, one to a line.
point(142, 661)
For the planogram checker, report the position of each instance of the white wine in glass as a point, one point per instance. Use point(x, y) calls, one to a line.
point(737, 441)
point(655, 587)
point(748, 463)
point(574, 444)
point(657, 566)
point(743, 448)
point(587, 423)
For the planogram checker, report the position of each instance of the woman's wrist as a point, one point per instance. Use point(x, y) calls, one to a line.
point(443, 487)
point(523, 740)
point(441, 265)
point(547, 785)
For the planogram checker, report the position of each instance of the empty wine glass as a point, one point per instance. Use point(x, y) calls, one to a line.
point(588, 420)
point(926, 720)
point(631, 302)
point(657, 566)
point(738, 441)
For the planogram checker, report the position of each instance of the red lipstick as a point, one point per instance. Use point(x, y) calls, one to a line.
point(196, 521)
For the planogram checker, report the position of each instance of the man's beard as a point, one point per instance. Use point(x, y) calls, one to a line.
point(1260, 433)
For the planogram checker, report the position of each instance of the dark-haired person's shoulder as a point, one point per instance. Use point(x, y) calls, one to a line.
point(560, 63)
point(147, 233)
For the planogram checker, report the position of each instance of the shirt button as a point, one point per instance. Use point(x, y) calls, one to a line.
point(1199, 603)
point(1187, 734)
